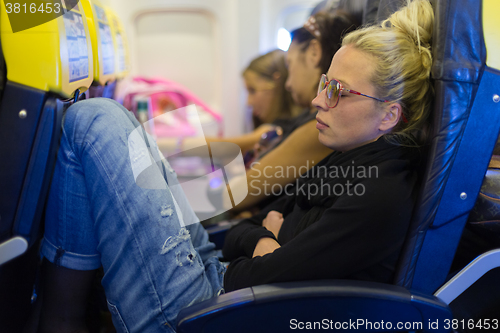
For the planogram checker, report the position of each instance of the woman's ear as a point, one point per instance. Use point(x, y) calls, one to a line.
point(393, 113)
point(313, 53)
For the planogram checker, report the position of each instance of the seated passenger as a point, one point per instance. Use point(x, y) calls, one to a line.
point(347, 218)
point(309, 55)
point(265, 79)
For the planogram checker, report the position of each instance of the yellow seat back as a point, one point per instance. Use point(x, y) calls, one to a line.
point(122, 59)
point(102, 41)
point(491, 31)
point(55, 56)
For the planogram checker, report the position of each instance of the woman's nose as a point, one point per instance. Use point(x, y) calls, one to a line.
point(319, 102)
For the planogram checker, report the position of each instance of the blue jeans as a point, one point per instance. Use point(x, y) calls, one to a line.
point(156, 258)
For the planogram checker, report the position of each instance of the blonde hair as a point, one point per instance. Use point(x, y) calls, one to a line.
point(401, 44)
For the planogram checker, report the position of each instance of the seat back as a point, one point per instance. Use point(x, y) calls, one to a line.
point(104, 62)
point(485, 217)
point(31, 110)
point(465, 127)
point(45, 73)
point(122, 56)
point(105, 57)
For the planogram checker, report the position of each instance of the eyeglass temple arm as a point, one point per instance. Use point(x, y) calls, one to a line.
point(378, 99)
point(358, 93)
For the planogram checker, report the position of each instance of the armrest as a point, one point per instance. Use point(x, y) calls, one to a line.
point(12, 248)
point(340, 304)
point(468, 276)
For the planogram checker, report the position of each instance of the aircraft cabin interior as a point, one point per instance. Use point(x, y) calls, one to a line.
point(249, 166)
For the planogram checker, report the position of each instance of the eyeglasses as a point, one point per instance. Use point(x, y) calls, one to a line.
point(334, 89)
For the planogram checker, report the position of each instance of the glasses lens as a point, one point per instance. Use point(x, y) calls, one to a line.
point(321, 84)
point(332, 93)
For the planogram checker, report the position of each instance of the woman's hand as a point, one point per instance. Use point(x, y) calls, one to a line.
point(264, 246)
point(273, 222)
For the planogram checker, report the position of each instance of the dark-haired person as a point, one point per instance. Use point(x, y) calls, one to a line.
point(348, 216)
point(371, 104)
point(309, 55)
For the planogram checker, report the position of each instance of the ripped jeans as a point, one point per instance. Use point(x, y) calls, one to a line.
point(156, 258)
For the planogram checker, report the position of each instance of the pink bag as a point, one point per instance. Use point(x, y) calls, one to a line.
point(164, 95)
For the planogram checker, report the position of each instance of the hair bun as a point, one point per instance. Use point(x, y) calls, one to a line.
point(415, 20)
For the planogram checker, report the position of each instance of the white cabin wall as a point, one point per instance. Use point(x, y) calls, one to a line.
point(249, 28)
point(289, 14)
point(239, 31)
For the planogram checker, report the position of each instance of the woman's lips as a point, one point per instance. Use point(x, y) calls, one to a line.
point(320, 124)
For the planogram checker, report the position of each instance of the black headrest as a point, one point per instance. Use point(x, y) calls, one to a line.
point(354, 7)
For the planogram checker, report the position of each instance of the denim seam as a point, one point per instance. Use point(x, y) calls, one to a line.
point(61, 217)
point(119, 315)
point(69, 252)
point(120, 200)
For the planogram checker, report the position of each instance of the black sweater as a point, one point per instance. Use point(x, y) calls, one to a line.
point(334, 235)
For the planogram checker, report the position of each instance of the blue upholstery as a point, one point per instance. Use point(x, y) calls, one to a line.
point(282, 306)
point(28, 154)
point(458, 155)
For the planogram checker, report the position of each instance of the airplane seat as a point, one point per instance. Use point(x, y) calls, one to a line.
point(484, 219)
point(122, 56)
point(113, 51)
point(466, 85)
point(110, 64)
point(31, 112)
point(3, 72)
point(481, 235)
point(463, 129)
point(482, 231)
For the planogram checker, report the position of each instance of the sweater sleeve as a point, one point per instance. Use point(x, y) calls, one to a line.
point(354, 234)
point(243, 237)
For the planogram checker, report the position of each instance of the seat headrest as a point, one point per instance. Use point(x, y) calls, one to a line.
point(102, 41)
point(122, 58)
point(55, 56)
